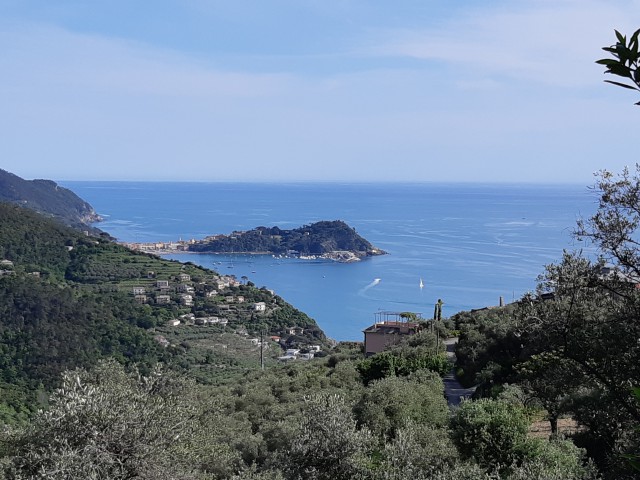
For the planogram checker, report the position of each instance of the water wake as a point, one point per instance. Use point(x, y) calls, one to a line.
point(375, 282)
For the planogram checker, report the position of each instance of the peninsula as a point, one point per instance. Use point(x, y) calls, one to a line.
point(334, 240)
point(49, 199)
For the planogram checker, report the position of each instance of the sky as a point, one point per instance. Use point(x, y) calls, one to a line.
point(314, 90)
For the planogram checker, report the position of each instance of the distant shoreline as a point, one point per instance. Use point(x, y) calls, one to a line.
point(338, 256)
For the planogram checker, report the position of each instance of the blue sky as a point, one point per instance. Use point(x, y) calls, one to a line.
point(313, 90)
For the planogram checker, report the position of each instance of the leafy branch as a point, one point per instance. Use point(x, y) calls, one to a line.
point(625, 61)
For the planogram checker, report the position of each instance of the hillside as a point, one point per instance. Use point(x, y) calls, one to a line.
point(326, 238)
point(48, 198)
point(67, 300)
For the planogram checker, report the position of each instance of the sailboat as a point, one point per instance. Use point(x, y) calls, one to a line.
point(421, 283)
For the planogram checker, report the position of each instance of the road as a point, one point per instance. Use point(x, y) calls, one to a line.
point(452, 388)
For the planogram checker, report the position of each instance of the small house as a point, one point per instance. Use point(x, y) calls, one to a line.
point(162, 283)
point(387, 332)
point(163, 299)
point(139, 290)
point(259, 307)
point(140, 299)
point(184, 277)
point(186, 300)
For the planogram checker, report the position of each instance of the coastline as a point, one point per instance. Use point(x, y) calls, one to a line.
point(339, 256)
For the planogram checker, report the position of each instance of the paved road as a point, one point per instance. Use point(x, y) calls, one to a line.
point(452, 388)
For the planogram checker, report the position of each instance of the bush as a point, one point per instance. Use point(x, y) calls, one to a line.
point(490, 431)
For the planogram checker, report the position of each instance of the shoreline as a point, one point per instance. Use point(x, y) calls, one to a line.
point(338, 256)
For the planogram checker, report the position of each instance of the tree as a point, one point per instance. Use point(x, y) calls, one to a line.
point(614, 226)
point(106, 423)
point(418, 452)
point(328, 445)
point(388, 404)
point(588, 335)
point(551, 380)
point(625, 61)
point(490, 431)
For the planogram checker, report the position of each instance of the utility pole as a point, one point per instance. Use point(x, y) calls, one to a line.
point(261, 349)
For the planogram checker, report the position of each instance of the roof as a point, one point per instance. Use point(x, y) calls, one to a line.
point(392, 328)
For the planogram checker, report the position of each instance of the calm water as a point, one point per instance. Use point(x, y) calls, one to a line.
point(470, 244)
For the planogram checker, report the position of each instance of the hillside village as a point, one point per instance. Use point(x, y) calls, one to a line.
point(223, 301)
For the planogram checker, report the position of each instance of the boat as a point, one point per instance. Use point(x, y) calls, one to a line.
point(421, 283)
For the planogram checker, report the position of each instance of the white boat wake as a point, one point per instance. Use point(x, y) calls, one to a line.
point(375, 282)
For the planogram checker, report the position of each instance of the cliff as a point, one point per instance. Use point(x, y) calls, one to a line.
point(48, 198)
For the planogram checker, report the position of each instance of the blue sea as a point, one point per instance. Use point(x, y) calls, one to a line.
point(469, 243)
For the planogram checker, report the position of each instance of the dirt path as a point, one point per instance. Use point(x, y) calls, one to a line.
point(452, 388)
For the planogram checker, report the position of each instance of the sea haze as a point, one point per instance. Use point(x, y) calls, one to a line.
point(469, 243)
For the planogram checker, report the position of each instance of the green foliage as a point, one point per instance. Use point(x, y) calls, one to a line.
point(388, 404)
point(488, 346)
point(625, 61)
point(402, 362)
point(47, 329)
point(491, 432)
point(552, 460)
point(109, 424)
point(634, 458)
point(328, 444)
point(315, 239)
point(48, 198)
point(34, 243)
point(81, 308)
point(590, 331)
point(417, 451)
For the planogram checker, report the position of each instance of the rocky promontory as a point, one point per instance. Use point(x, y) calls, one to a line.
point(334, 240)
point(48, 198)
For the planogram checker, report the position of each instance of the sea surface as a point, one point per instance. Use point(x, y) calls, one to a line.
point(469, 243)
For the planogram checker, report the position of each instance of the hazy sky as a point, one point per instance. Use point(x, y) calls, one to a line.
point(298, 90)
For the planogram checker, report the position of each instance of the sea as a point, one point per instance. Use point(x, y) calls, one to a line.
point(467, 244)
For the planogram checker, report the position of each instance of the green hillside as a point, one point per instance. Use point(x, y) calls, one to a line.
point(67, 300)
point(50, 199)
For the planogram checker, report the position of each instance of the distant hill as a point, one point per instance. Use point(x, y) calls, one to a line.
point(48, 198)
point(326, 238)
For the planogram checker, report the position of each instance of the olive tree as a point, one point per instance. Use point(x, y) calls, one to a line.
point(107, 423)
point(328, 445)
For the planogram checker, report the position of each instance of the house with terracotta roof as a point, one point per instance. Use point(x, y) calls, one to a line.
point(389, 329)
